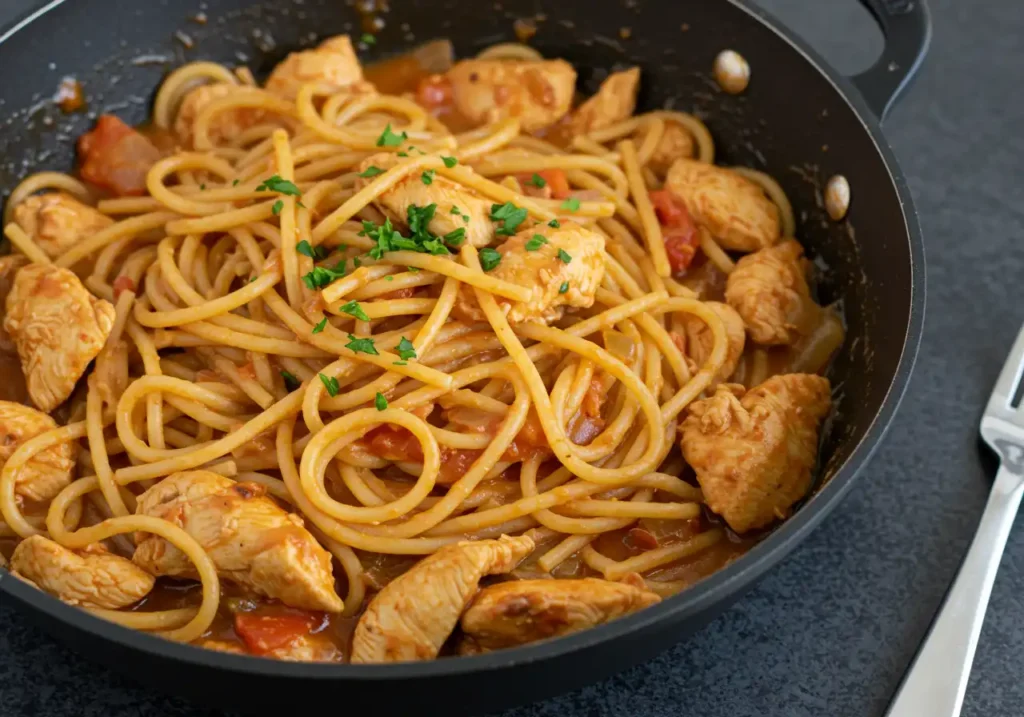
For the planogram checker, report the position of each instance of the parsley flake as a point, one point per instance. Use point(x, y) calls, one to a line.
point(380, 402)
point(290, 381)
point(354, 310)
point(320, 326)
point(537, 181)
point(455, 237)
point(405, 349)
point(321, 276)
point(315, 253)
point(371, 172)
point(564, 256)
point(554, 224)
point(390, 139)
point(564, 287)
point(509, 215)
point(278, 206)
point(489, 258)
point(331, 384)
point(281, 186)
point(202, 187)
point(399, 363)
point(536, 242)
point(235, 184)
point(428, 177)
point(572, 204)
point(449, 162)
point(361, 346)
point(368, 39)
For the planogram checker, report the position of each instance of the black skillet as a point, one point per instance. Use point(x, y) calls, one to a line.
point(799, 120)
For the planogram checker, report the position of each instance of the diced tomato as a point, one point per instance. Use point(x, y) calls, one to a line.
point(398, 294)
point(123, 283)
point(640, 539)
point(558, 182)
point(116, 157)
point(434, 91)
point(529, 442)
point(680, 232)
point(265, 633)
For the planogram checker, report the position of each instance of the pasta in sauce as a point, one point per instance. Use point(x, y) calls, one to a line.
point(390, 364)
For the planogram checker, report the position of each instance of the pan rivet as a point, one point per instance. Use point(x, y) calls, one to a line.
point(837, 197)
point(732, 71)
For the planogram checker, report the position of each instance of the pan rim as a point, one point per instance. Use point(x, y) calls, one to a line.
point(716, 589)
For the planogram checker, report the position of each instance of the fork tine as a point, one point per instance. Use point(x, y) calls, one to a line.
point(1009, 377)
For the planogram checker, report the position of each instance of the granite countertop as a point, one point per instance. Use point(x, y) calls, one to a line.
point(831, 630)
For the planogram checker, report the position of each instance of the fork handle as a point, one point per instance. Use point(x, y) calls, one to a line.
point(937, 679)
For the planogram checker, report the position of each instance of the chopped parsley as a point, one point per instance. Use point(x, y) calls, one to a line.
point(331, 384)
point(290, 381)
point(399, 363)
point(321, 276)
point(413, 269)
point(389, 277)
point(455, 237)
point(449, 162)
point(361, 346)
point(278, 206)
point(380, 402)
point(509, 215)
point(368, 39)
point(320, 326)
point(405, 349)
point(356, 263)
point(536, 242)
point(202, 187)
point(371, 172)
point(281, 186)
point(572, 204)
point(456, 211)
point(564, 287)
point(390, 139)
point(354, 310)
point(235, 184)
point(554, 224)
point(315, 253)
point(428, 177)
point(564, 256)
point(537, 181)
point(489, 258)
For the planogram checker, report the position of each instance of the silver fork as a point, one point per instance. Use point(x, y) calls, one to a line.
point(935, 684)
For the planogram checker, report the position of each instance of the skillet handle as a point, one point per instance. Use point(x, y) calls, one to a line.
point(907, 27)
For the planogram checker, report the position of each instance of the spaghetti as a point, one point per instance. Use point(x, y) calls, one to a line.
point(268, 327)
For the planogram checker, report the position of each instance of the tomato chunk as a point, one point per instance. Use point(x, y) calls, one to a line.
point(123, 283)
point(679, 231)
point(265, 633)
point(116, 157)
point(434, 91)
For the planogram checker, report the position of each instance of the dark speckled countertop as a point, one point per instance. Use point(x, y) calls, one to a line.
point(831, 630)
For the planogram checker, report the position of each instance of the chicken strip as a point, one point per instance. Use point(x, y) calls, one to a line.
point(769, 291)
point(753, 452)
point(333, 65)
point(9, 266)
point(474, 211)
point(252, 541)
point(49, 471)
point(91, 577)
point(563, 266)
point(416, 612)
point(523, 611)
point(614, 102)
point(676, 143)
point(735, 210)
point(225, 125)
point(698, 341)
point(537, 92)
point(56, 221)
point(58, 328)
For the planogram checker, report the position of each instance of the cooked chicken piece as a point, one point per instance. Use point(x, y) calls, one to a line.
point(570, 257)
point(416, 612)
point(735, 210)
point(251, 540)
point(58, 327)
point(306, 648)
point(57, 221)
point(91, 577)
point(676, 143)
point(523, 611)
point(699, 341)
point(9, 266)
point(614, 102)
point(474, 210)
point(224, 125)
point(332, 64)
point(538, 93)
point(753, 452)
point(769, 291)
point(48, 472)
